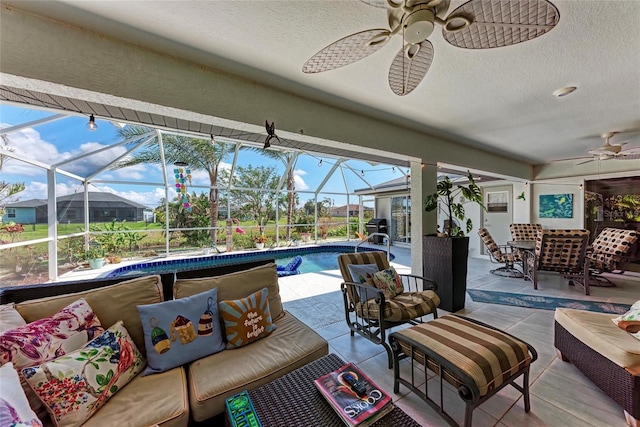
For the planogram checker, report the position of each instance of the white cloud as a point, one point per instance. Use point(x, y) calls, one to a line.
point(297, 178)
point(28, 144)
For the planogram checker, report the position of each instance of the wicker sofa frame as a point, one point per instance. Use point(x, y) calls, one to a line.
point(619, 384)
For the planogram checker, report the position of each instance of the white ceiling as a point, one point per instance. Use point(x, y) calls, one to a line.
point(501, 98)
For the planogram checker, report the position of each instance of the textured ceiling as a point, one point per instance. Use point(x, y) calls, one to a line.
point(500, 98)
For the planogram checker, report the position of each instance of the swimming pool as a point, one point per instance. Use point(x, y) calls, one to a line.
point(314, 259)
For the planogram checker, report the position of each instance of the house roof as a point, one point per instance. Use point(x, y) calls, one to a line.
point(108, 199)
point(33, 203)
point(352, 207)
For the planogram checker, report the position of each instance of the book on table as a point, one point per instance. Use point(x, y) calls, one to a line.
point(355, 398)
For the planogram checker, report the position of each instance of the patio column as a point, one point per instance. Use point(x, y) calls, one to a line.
point(424, 179)
point(52, 224)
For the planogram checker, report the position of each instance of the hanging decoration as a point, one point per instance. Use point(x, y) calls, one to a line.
point(182, 174)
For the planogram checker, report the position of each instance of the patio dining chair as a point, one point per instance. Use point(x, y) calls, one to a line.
point(500, 254)
point(523, 232)
point(610, 251)
point(562, 251)
point(371, 313)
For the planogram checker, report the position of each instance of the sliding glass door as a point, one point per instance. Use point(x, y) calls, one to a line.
point(400, 230)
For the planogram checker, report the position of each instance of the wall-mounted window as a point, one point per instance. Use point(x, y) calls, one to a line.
point(71, 214)
point(11, 213)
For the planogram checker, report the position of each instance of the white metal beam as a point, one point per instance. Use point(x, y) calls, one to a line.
point(33, 123)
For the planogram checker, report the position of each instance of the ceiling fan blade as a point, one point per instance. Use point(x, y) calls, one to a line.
point(587, 161)
point(497, 23)
point(347, 51)
point(409, 67)
point(628, 157)
point(630, 151)
point(378, 3)
point(570, 158)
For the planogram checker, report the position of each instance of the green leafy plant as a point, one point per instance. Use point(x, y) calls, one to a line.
point(444, 199)
point(94, 252)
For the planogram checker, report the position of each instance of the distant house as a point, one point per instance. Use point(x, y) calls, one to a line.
point(103, 207)
point(341, 211)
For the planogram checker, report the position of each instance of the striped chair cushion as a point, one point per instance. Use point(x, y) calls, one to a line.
point(369, 257)
point(488, 356)
point(402, 307)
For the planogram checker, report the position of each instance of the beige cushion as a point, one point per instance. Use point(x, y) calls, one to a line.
point(236, 286)
point(153, 399)
point(10, 318)
point(110, 304)
point(597, 331)
point(214, 378)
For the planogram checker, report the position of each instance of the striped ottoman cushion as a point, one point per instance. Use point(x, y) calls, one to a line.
point(489, 357)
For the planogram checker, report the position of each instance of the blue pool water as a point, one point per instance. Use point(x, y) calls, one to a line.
point(314, 259)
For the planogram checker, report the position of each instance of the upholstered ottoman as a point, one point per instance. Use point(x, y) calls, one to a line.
point(476, 358)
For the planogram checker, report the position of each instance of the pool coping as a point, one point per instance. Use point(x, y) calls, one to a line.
point(228, 258)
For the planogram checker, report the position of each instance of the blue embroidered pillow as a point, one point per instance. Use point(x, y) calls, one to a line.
point(362, 273)
point(180, 331)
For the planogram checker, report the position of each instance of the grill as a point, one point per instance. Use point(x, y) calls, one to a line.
point(377, 225)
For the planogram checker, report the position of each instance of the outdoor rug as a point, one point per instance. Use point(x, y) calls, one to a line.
point(545, 303)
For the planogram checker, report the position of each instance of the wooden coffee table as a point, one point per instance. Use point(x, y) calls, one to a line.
point(294, 400)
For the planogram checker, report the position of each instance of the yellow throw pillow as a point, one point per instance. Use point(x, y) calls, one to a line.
point(247, 320)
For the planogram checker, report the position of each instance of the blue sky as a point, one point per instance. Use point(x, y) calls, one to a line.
point(57, 141)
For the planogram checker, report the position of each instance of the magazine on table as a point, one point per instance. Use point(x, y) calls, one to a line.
point(358, 400)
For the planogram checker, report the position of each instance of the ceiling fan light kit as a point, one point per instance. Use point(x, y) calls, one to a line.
point(477, 24)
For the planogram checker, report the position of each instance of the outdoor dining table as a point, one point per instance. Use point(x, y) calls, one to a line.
point(528, 250)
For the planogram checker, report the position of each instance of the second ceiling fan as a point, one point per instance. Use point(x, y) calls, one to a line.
point(477, 24)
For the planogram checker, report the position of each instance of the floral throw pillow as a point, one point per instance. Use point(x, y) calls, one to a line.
point(75, 386)
point(247, 320)
point(630, 321)
point(14, 406)
point(51, 337)
point(48, 338)
point(389, 282)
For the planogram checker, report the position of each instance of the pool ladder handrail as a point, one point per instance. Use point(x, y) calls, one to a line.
point(376, 234)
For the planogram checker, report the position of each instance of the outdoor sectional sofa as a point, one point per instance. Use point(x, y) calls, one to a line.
point(604, 353)
point(197, 390)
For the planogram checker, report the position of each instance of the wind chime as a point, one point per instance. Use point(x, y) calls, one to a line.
point(182, 174)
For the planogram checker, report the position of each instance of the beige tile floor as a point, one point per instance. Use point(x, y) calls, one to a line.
point(560, 394)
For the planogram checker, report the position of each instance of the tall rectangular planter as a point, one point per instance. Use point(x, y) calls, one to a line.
point(445, 261)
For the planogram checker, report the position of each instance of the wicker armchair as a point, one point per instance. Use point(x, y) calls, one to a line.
point(366, 309)
point(500, 254)
point(611, 250)
point(562, 251)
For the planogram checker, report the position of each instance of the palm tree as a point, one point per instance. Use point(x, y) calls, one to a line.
point(199, 154)
point(286, 157)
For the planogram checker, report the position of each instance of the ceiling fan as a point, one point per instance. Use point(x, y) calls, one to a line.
point(477, 24)
point(608, 151)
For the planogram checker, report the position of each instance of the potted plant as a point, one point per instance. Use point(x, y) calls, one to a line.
point(445, 254)
point(260, 240)
point(95, 256)
point(303, 226)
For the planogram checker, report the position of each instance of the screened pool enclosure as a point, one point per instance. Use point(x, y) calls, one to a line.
point(131, 190)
